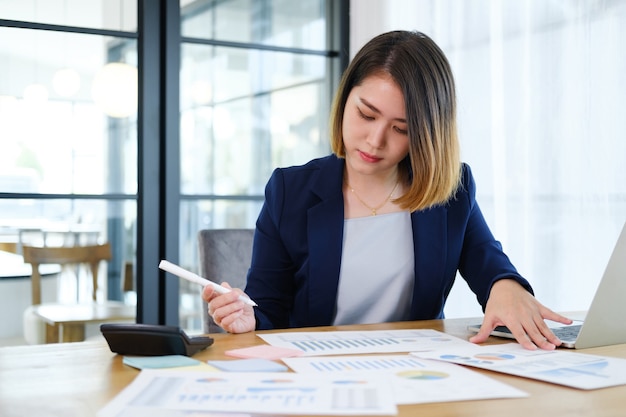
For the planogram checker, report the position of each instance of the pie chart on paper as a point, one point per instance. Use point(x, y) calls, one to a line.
point(423, 375)
point(494, 356)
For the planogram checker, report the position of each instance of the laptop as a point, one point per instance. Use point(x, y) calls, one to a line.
point(605, 322)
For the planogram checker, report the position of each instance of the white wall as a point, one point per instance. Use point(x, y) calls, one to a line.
point(540, 87)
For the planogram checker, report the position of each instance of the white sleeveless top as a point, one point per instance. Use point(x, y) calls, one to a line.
point(377, 270)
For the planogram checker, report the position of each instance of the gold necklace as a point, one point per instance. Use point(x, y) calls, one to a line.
point(374, 209)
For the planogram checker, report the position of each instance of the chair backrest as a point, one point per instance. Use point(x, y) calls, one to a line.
point(91, 255)
point(225, 256)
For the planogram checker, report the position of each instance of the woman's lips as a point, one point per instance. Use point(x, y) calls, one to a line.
point(369, 158)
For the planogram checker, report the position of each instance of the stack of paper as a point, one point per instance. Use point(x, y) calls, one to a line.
point(410, 366)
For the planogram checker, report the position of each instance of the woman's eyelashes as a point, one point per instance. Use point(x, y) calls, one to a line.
point(364, 116)
point(400, 130)
point(397, 129)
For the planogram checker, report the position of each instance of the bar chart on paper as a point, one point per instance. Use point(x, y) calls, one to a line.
point(353, 342)
point(366, 363)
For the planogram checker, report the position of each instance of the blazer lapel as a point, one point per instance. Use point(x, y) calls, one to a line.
point(430, 243)
point(325, 231)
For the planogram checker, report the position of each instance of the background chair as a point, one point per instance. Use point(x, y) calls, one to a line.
point(225, 255)
point(52, 322)
point(76, 256)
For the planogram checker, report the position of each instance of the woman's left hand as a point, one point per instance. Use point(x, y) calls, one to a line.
point(512, 306)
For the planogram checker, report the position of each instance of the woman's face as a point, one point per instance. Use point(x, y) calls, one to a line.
point(374, 126)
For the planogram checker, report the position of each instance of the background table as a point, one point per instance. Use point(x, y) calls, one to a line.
point(77, 379)
point(12, 266)
point(66, 322)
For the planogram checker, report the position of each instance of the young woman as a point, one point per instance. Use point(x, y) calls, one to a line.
point(377, 231)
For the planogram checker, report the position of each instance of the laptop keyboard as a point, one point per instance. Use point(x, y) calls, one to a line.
point(565, 333)
point(569, 333)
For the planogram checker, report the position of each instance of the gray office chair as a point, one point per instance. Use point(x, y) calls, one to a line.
point(225, 255)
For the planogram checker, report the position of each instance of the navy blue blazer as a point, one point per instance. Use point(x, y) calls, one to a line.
point(294, 273)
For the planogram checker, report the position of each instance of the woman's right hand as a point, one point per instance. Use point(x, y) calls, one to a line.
point(227, 311)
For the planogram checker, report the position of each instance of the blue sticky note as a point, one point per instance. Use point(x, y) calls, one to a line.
point(154, 362)
point(248, 365)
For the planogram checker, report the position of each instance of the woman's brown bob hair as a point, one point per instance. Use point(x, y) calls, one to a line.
point(432, 169)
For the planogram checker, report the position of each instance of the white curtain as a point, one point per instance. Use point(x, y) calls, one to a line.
point(542, 120)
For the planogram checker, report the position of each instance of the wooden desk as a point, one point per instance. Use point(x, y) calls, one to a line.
point(66, 322)
point(77, 379)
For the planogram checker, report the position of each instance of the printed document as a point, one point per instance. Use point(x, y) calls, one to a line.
point(563, 367)
point(363, 342)
point(174, 393)
point(413, 380)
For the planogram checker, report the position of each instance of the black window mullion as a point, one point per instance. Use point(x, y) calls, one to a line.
point(170, 102)
point(158, 178)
